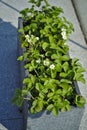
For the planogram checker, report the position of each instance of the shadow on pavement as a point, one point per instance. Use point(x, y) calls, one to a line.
point(10, 116)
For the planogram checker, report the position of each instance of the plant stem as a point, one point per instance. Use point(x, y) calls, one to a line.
point(27, 98)
point(36, 72)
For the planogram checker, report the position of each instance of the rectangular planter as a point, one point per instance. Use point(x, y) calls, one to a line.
point(44, 120)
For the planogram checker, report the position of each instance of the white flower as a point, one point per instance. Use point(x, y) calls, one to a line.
point(63, 30)
point(37, 38)
point(63, 33)
point(46, 62)
point(52, 66)
point(38, 61)
point(28, 38)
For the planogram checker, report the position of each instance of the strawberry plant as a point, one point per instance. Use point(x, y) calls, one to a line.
point(51, 72)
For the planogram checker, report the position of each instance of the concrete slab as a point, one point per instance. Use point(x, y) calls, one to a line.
point(9, 10)
point(2, 127)
point(81, 10)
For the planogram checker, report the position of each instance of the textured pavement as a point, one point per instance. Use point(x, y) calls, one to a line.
point(81, 11)
point(10, 117)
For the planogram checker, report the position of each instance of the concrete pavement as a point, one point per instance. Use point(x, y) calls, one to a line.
point(81, 11)
point(10, 117)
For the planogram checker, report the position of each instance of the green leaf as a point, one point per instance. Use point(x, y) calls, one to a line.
point(79, 77)
point(48, 53)
point(26, 66)
point(81, 70)
point(33, 78)
point(54, 56)
point(17, 99)
point(65, 81)
point(51, 39)
point(41, 95)
point(24, 11)
point(39, 105)
point(53, 74)
point(82, 80)
point(80, 101)
point(64, 75)
point(66, 105)
point(24, 92)
point(58, 67)
point(45, 90)
point(74, 60)
point(65, 66)
point(32, 110)
point(50, 94)
point(53, 45)
point(50, 107)
point(39, 86)
point(26, 28)
point(45, 45)
point(25, 55)
point(26, 80)
point(20, 58)
point(31, 68)
point(21, 30)
point(14, 99)
point(18, 92)
point(62, 50)
point(65, 58)
point(38, 2)
point(55, 111)
point(33, 26)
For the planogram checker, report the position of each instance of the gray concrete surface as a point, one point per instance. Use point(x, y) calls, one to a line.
point(81, 10)
point(10, 117)
point(64, 121)
point(2, 127)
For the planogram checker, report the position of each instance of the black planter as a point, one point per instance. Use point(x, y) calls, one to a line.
point(44, 120)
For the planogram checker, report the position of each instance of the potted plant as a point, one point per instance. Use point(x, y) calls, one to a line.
point(49, 75)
